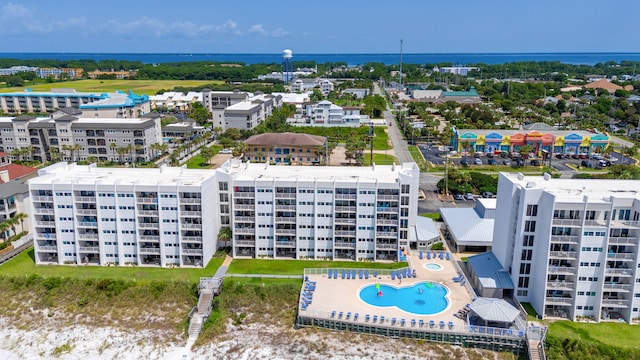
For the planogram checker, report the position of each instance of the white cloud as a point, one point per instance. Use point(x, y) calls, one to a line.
point(229, 25)
point(18, 19)
point(279, 32)
point(257, 29)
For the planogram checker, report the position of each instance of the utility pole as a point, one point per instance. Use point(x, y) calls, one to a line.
point(400, 80)
point(446, 176)
point(371, 143)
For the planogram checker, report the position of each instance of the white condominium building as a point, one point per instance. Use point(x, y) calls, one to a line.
point(156, 217)
point(571, 246)
point(319, 212)
point(172, 216)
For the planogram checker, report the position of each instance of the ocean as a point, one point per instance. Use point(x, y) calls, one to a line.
point(350, 59)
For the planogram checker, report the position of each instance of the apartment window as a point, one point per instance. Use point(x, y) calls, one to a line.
point(523, 282)
point(532, 210)
point(590, 215)
point(526, 255)
point(527, 240)
point(525, 269)
point(624, 214)
point(406, 189)
point(523, 292)
point(404, 200)
point(530, 226)
point(223, 186)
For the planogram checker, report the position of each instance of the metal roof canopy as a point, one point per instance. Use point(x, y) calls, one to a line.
point(493, 309)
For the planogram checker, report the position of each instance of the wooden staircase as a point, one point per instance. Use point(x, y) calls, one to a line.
point(208, 288)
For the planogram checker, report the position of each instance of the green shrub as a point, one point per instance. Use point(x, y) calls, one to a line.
point(437, 246)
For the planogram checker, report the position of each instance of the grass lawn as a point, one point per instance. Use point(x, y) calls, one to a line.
point(380, 159)
point(433, 216)
point(612, 334)
point(342, 134)
point(197, 162)
point(148, 87)
point(531, 313)
point(24, 265)
point(296, 267)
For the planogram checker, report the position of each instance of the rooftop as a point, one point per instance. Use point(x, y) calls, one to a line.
point(286, 139)
point(490, 272)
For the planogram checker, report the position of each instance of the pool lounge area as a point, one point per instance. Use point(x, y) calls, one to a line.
point(333, 299)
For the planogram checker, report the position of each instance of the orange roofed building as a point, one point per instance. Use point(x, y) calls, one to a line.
point(607, 85)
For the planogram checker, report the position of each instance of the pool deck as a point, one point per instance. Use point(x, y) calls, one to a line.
point(341, 295)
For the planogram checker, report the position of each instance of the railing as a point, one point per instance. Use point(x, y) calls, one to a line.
point(244, 218)
point(563, 254)
point(617, 287)
point(91, 249)
point(344, 233)
point(562, 270)
point(623, 241)
point(43, 211)
point(285, 195)
point(615, 302)
point(147, 200)
point(561, 284)
point(190, 213)
point(190, 239)
point(46, 236)
point(86, 211)
point(286, 219)
point(571, 222)
point(149, 250)
point(628, 222)
point(148, 212)
point(85, 199)
point(285, 207)
point(246, 231)
point(345, 196)
point(148, 225)
point(88, 236)
point(47, 248)
point(387, 197)
point(565, 239)
point(387, 234)
point(244, 206)
point(191, 226)
point(386, 222)
point(150, 237)
point(245, 242)
point(388, 209)
point(192, 251)
point(190, 200)
point(342, 244)
point(386, 246)
point(345, 208)
point(88, 223)
point(42, 198)
point(344, 221)
point(595, 223)
point(619, 272)
point(45, 223)
point(287, 244)
point(245, 195)
point(621, 256)
point(559, 300)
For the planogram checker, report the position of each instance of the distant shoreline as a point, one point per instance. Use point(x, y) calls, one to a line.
point(579, 58)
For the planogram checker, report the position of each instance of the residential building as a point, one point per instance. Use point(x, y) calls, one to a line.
point(571, 246)
point(171, 216)
point(284, 148)
point(117, 74)
point(89, 137)
point(175, 101)
point(56, 73)
point(16, 69)
point(108, 105)
point(142, 217)
point(456, 70)
point(357, 92)
point(470, 96)
point(14, 190)
point(605, 84)
point(553, 142)
point(326, 113)
point(317, 212)
point(303, 85)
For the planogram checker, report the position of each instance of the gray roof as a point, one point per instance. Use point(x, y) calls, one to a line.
point(467, 227)
point(491, 309)
point(490, 272)
point(424, 230)
point(285, 139)
point(539, 126)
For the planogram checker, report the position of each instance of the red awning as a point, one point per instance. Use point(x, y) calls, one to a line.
point(548, 139)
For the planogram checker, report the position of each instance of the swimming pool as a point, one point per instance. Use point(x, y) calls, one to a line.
point(433, 266)
point(424, 298)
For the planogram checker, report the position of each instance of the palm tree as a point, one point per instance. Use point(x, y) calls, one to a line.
point(121, 151)
point(55, 154)
point(113, 146)
point(240, 148)
point(225, 234)
point(4, 226)
point(206, 153)
point(19, 217)
point(156, 148)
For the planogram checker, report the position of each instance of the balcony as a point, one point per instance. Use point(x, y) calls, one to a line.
point(595, 223)
point(147, 200)
point(286, 219)
point(386, 246)
point(283, 195)
point(562, 270)
point(559, 300)
point(192, 251)
point(91, 224)
point(149, 238)
point(191, 239)
point(618, 272)
point(386, 234)
point(148, 212)
point(90, 249)
point(149, 250)
point(390, 210)
point(565, 239)
point(345, 196)
point(245, 243)
point(628, 241)
point(344, 245)
point(345, 208)
point(190, 213)
point(282, 232)
point(148, 225)
point(190, 200)
point(87, 212)
point(344, 233)
point(191, 226)
point(611, 286)
point(244, 206)
point(244, 218)
point(615, 303)
point(45, 223)
point(621, 256)
point(561, 285)
point(285, 207)
point(286, 244)
point(246, 231)
point(42, 198)
point(563, 255)
point(387, 197)
point(85, 199)
point(386, 222)
point(567, 222)
point(88, 236)
point(48, 248)
point(345, 221)
point(43, 211)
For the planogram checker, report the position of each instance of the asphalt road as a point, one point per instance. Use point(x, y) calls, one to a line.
point(399, 145)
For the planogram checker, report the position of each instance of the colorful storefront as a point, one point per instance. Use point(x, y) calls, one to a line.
point(555, 142)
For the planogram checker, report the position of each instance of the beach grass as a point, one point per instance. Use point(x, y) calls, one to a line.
point(24, 265)
point(296, 267)
point(148, 87)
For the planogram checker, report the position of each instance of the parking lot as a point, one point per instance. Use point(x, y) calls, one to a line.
point(557, 161)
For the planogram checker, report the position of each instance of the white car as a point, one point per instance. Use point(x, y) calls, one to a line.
point(226, 151)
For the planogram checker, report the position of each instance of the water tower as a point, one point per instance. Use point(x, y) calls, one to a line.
point(287, 66)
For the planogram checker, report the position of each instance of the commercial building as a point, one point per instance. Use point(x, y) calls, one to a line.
point(470, 229)
point(102, 216)
point(470, 96)
point(570, 246)
point(567, 142)
point(78, 138)
point(108, 105)
point(285, 148)
point(172, 216)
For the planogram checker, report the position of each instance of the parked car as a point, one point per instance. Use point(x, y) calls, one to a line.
point(492, 161)
point(464, 162)
point(478, 161)
point(506, 162)
point(535, 162)
point(458, 197)
point(487, 195)
point(559, 156)
point(586, 163)
point(226, 151)
point(489, 155)
point(468, 196)
point(476, 155)
point(504, 155)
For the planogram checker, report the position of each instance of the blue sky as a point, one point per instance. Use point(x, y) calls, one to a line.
point(328, 26)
